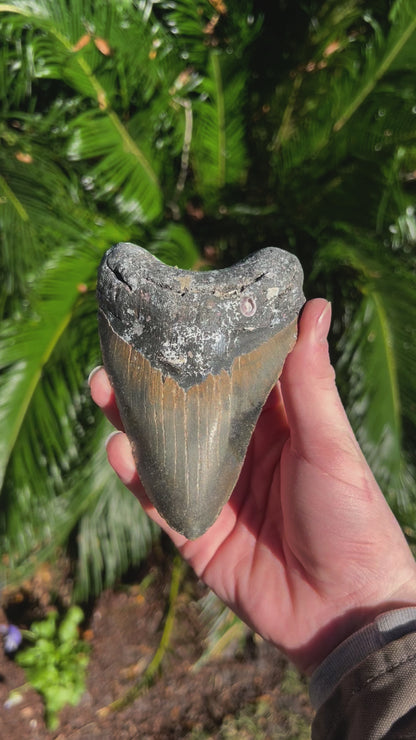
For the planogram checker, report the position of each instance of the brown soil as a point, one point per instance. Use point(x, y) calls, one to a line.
point(249, 686)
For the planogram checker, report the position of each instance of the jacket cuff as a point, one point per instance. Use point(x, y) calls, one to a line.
point(385, 628)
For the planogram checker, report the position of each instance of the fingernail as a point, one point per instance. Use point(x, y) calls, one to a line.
point(323, 323)
point(110, 436)
point(92, 373)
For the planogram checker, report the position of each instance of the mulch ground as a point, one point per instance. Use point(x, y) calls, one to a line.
point(124, 628)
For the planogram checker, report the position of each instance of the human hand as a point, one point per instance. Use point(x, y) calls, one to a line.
point(306, 551)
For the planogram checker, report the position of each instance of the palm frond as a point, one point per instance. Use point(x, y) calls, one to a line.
point(397, 51)
point(223, 627)
point(32, 191)
point(14, 225)
point(186, 21)
point(80, 49)
point(52, 429)
point(99, 133)
point(175, 246)
point(376, 364)
point(16, 65)
point(114, 532)
point(122, 170)
point(327, 93)
point(218, 150)
point(26, 346)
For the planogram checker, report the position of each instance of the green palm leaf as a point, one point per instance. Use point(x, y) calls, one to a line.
point(375, 406)
point(175, 246)
point(185, 21)
point(122, 168)
point(15, 225)
point(114, 532)
point(99, 133)
point(398, 50)
point(27, 346)
point(376, 364)
point(218, 152)
point(324, 99)
point(223, 628)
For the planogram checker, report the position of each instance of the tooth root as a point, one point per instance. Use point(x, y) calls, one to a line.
point(189, 445)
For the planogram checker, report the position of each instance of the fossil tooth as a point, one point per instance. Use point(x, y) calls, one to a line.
point(192, 357)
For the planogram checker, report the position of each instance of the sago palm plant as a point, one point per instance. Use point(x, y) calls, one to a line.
point(203, 131)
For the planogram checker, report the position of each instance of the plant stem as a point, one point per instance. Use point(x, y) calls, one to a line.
point(221, 117)
point(11, 197)
point(285, 126)
point(187, 139)
point(153, 668)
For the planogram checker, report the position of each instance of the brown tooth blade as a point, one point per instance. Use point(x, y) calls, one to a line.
point(192, 358)
point(189, 446)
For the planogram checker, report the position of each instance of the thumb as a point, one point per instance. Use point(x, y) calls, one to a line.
point(319, 426)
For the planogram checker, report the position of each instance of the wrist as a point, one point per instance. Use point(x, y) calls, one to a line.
point(386, 628)
point(344, 626)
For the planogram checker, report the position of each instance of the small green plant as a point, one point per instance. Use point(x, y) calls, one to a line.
point(55, 664)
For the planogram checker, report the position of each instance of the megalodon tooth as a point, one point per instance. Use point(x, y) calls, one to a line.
point(192, 357)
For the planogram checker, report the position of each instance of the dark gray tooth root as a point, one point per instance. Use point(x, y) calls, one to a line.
point(192, 357)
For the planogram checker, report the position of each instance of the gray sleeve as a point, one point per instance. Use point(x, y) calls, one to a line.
point(385, 628)
point(366, 688)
